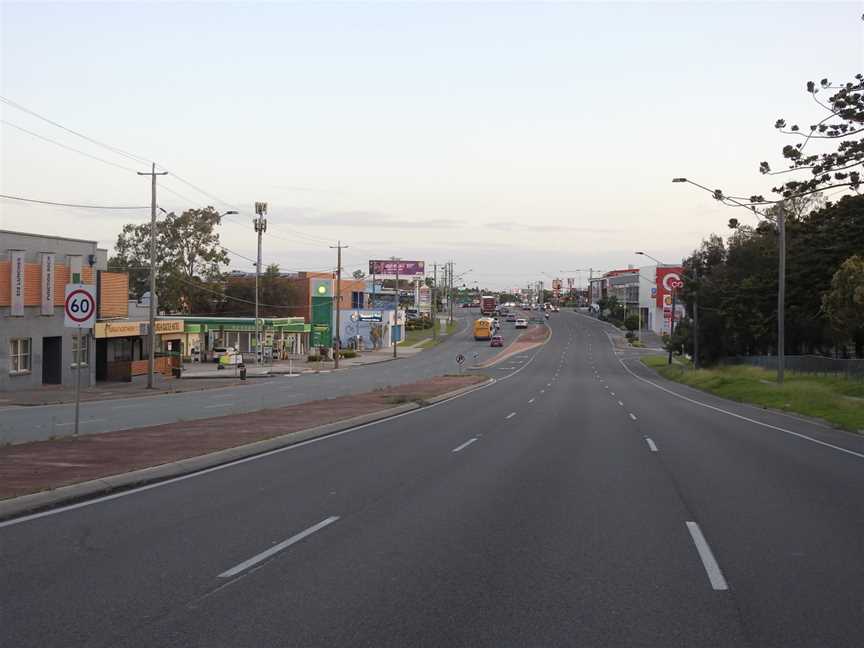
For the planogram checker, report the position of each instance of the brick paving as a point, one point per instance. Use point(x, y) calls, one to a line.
point(33, 467)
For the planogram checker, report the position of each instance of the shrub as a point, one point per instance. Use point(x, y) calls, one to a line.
point(630, 335)
point(349, 354)
point(631, 323)
point(313, 357)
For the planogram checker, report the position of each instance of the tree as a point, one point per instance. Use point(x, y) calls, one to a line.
point(844, 303)
point(358, 274)
point(837, 168)
point(188, 259)
point(278, 295)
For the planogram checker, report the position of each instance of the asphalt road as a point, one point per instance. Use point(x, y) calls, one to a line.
point(19, 424)
point(571, 503)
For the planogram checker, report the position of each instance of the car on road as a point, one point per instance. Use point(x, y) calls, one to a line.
point(497, 341)
point(555, 309)
point(521, 323)
point(511, 317)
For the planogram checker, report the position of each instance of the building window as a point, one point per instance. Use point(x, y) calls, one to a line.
point(356, 299)
point(85, 350)
point(19, 355)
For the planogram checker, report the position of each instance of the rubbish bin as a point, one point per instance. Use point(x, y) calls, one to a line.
point(176, 371)
point(242, 371)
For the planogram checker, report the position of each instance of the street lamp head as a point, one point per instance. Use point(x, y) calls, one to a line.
point(642, 253)
point(228, 213)
point(679, 179)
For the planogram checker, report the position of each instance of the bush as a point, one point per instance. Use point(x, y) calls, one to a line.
point(348, 354)
point(631, 323)
point(313, 357)
point(630, 335)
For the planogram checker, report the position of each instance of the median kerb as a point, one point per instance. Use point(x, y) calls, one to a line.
point(50, 473)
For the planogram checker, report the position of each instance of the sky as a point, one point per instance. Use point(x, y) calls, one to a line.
point(522, 141)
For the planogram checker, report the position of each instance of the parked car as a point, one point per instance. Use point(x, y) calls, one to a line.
point(497, 341)
point(220, 351)
point(511, 317)
point(521, 323)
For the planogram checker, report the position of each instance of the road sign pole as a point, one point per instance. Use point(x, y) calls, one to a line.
point(77, 383)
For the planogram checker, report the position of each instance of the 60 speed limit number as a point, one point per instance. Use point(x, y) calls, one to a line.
point(79, 306)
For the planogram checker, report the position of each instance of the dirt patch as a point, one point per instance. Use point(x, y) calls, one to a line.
point(43, 465)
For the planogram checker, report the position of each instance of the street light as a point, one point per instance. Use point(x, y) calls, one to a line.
point(781, 270)
point(655, 260)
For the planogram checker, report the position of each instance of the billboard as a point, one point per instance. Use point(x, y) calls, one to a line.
point(668, 277)
point(389, 268)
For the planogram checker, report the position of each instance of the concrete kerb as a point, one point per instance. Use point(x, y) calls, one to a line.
point(34, 502)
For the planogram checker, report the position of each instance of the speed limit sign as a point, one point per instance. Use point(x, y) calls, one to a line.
point(79, 306)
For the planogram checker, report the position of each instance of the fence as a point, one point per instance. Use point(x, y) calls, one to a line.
point(806, 364)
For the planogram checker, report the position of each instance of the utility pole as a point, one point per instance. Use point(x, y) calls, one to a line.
point(450, 298)
point(696, 329)
point(781, 294)
point(337, 345)
point(434, 303)
point(260, 227)
point(396, 261)
point(672, 323)
point(151, 362)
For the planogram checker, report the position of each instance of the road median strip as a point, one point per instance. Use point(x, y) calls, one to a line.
point(48, 474)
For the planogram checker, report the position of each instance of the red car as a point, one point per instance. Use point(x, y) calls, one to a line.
point(497, 340)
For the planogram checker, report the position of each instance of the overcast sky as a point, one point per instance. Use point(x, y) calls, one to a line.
point(514, 139)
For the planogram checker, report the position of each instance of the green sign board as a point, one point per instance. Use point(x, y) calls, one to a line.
point(322, 321)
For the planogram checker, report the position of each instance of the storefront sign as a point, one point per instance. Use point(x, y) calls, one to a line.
point(668, 278)
point(404, 268)
point(16, 305)
point(134, 329)
point(169, 326)
point(47, 283)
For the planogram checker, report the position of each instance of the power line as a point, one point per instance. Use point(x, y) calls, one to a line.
point(60, 204)
point(119, 151)
point(67, 147)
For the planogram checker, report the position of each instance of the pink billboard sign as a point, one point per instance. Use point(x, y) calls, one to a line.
point(389, 268)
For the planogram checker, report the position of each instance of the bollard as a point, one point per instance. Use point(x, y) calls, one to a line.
point(242, 372)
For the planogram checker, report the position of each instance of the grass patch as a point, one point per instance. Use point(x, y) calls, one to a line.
point(417, 335)
point(834, 399)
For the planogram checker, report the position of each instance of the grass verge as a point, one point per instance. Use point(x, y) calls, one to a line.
point(834, 399)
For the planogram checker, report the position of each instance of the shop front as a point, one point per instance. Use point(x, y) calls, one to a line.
point(123, 348)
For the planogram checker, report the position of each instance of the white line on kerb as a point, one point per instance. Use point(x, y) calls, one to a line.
point(632, 416)
point(264, 555)
point(718, 582)
point(82, 421)
point(218, 405)
point(510, 415)
point(464, 445)
point(743, 418)
point(651, 444)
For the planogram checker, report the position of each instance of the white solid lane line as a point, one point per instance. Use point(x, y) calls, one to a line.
point(218, 405)
point(531, 401)
point(718, 582)
point(464, 445)
point(743, 418)
point(651, 444)
point(612, 393)
point(621, 404)
point(83, 421)
point(510, 415)
point(264, 555)
point(632, 416)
